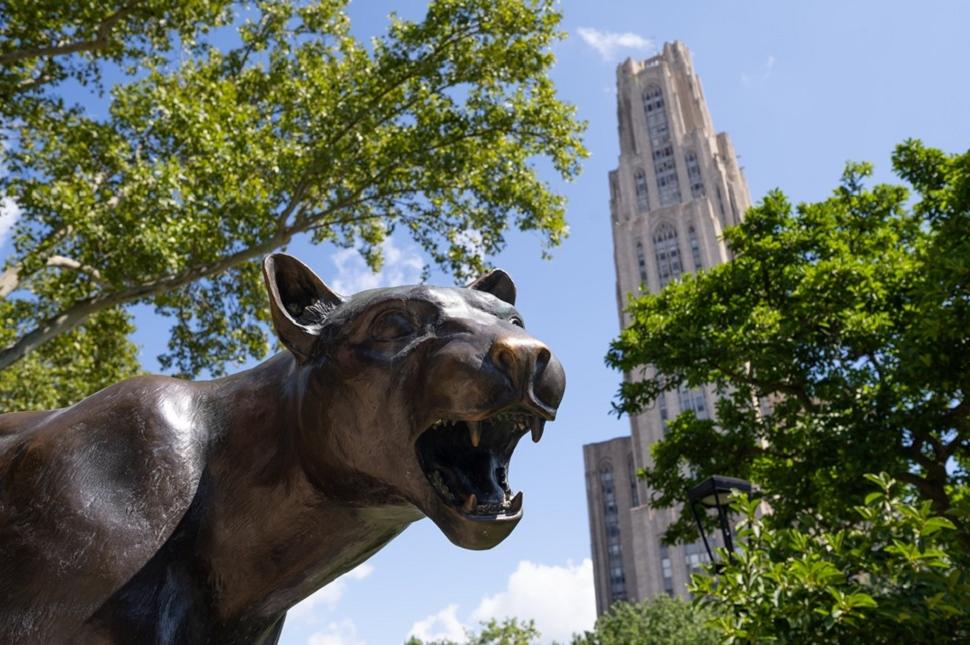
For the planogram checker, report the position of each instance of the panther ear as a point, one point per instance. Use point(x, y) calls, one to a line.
point(498, 283)
point(299, 302)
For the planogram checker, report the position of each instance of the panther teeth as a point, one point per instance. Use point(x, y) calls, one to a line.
point(503, 425)
point(493, 508)
point(537, 428)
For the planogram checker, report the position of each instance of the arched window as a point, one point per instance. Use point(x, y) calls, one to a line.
point(667, 252)
point(640, 181)
point(694, 174)
point(641, 262)
point(695, 248)
point(663, 151)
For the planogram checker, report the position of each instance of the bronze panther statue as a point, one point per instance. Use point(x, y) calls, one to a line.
point(167, 511)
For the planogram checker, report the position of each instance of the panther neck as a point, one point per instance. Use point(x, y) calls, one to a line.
point(275, 535)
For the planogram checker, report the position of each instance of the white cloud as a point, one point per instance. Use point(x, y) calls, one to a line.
point(9, 212)
point(766, 69)
point(443, 625)
point(401, 266)
point(337, 633)
point(330, 595)
point(609, 44)
point(561, 601)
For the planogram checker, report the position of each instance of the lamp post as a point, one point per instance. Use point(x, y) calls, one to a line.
point(714, 493)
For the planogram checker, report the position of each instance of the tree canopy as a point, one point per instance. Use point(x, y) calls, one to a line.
point(658, 621)
point(510, 631)
point(229, 128)
point(890, 579)
point(838, 340)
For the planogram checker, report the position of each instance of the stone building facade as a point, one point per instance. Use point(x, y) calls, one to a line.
point(676, 188)
point(611, 491)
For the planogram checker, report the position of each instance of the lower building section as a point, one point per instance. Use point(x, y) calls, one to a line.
point(660, 568)
point(630, 560)
point(611, 491)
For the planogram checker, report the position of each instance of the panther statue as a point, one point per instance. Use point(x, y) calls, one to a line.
point(165, 511)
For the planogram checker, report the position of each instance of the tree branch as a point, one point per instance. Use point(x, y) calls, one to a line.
point(78, 312)
point(61, 262)
point(81, 310)
point(100, 41)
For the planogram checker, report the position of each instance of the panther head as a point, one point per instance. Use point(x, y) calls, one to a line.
point(415, 395)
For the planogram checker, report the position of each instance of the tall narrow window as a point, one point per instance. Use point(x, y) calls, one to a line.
point(664, 415)
point(720, 201)
point(663, 151)
point(643, 201)
point(634, 494)
point(613, 543)
point(667, 252)
point(695, 248)
point(695, 555)
point(642, 263)
point(653, 106)
point(694, 175)
point(666, 567)
point(692, 400)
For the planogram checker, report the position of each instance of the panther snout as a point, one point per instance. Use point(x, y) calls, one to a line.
point(533, 370)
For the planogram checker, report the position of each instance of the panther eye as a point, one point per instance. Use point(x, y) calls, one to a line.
point(515, 320)
point(392, 325)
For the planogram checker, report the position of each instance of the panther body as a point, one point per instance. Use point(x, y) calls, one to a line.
point(160, 510)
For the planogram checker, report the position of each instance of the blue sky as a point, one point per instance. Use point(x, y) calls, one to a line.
point(801, 88)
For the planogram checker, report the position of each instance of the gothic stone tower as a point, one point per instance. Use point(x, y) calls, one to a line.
point(677, 187)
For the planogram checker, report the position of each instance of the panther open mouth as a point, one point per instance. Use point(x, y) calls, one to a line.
point(467, 462)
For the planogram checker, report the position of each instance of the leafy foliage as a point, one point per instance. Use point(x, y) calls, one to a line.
point(887, 579)
point(278, 123)
point(660, 621)
point(44, 42)
point(492, 632)
point(838, 340)
point(71, 366)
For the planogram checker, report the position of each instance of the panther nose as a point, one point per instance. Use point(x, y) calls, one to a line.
point(533, 369)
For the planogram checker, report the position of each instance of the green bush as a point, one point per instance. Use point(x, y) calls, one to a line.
point(661, 621)
point(891, 577)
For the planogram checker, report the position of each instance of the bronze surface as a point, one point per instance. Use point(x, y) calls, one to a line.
point(160, 510)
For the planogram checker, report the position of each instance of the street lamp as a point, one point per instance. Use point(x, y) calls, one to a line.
point(714, 493)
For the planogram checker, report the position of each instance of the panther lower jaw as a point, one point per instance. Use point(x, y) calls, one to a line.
point(466, 464)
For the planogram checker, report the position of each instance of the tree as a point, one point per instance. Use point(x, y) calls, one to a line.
point(492, 632)
point(887, 580)
point(838, 340)
point(277, 123)
point(42, 37)
point(660, 621)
